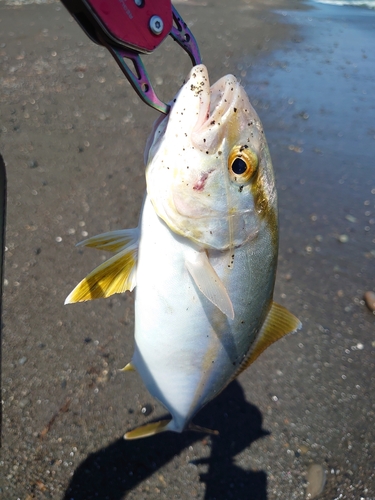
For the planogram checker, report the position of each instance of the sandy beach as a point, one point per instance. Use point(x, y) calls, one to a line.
point(72, 134)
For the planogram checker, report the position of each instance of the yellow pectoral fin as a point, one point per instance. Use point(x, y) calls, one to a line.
point(116, 275)
point(279, 322)
point(114, 241)
point(148, 430)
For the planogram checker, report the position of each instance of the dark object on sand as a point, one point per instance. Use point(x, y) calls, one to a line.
point(370, 300)
point(3, 182)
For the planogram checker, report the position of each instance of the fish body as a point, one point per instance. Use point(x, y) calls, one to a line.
point(186, 348)
point(203, 258)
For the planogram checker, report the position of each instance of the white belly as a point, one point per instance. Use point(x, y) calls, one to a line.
point(186, 348)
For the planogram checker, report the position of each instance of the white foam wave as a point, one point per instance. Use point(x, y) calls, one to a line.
point(370, 4)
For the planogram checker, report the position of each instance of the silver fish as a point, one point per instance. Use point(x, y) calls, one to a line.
point(204, 255)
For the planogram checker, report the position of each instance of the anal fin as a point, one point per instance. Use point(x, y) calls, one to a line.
point(279, 322)
point(148, 430)
point(128, 368)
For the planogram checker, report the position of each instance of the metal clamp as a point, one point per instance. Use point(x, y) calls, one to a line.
point(148, 23)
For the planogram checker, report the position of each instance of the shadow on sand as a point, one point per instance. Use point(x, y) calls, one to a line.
point(115, 470)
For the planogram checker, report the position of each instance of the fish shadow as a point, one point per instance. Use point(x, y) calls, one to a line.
point(113, 471)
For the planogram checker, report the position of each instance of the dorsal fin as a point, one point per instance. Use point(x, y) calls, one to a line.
point(279, 322)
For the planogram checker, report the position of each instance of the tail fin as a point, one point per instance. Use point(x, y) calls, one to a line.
point(162, 426)
point(148, 430)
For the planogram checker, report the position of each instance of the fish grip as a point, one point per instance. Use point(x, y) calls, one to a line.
point(130, 29)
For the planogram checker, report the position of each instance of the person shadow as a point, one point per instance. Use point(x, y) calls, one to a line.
point(113, 471)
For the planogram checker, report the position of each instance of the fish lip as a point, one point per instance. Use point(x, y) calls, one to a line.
point(227, 90)
point(216, 100)
point(215, 113)
point(222, 96)
point(196, 90)
point(204, 92)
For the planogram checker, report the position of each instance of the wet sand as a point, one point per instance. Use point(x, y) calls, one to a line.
point(72, 134)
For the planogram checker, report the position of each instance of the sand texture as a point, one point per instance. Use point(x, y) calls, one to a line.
point(72, 134)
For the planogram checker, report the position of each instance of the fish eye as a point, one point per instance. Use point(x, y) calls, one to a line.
point(242, 163)
point(239, 166)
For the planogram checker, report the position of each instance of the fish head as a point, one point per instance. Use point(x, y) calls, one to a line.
point(208, 170)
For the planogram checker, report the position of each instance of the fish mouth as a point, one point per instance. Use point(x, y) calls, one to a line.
point(208, 114)
point(198, 82)
point(223, 94)
point(216, 101)
point(218, 105)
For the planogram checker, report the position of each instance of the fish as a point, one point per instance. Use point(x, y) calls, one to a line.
point(204, 255)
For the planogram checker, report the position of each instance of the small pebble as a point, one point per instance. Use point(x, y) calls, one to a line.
point(22, 360)
point(370, 300)
point(350, 218)
point(24, 402)
point(343, 238)
point(146, 410)
point(316, 479)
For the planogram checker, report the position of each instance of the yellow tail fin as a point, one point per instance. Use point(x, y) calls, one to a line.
point(148, 430)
